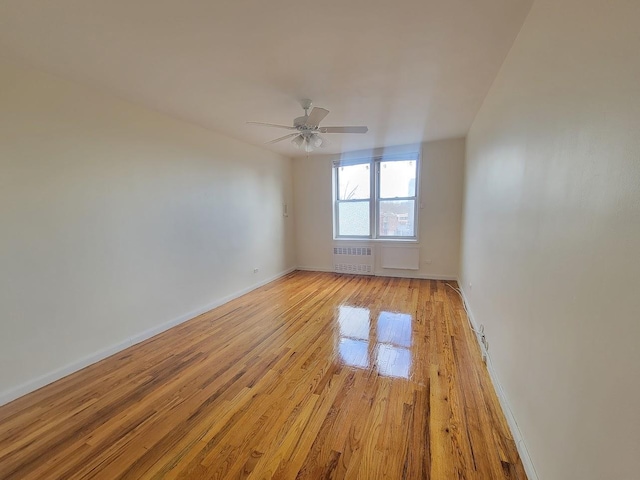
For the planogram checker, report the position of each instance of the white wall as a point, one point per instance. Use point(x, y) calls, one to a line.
point(551, 261)
point(441, 184)
point(116, 220)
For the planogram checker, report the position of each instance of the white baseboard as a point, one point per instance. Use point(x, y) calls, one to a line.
point(423, 276)
point(504, 403)
point(315, 269)
point(383, 273)
point(34, 384)
point(50, 377)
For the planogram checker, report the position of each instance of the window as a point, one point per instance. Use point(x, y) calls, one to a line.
point(376, 198)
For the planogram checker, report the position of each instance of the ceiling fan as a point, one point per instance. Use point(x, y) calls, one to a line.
point(307, 128)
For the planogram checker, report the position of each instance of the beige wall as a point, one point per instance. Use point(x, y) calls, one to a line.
point(551, 260)
point(116, 220)
point(442, 177)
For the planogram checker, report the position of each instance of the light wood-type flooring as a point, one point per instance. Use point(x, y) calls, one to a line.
point(313, 376)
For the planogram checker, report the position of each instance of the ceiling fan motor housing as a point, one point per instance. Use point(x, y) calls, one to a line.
point(306, 104)
point(300, 121)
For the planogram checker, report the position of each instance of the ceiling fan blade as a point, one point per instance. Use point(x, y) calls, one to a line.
point(282, 138)
point(272, 125)
point(316, 116)
point(343, 129)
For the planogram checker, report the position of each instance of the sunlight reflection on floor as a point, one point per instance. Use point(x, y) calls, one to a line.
point(383, 343)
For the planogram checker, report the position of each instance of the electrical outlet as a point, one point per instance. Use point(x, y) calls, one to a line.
point(470, 285)
point(427, 261)
point(256, 270)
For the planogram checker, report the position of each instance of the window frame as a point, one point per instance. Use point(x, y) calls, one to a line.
point(374, 199)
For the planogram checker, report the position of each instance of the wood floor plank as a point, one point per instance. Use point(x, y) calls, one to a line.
point(315, 375)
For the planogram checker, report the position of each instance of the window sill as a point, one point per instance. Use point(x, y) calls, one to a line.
point(378, 240)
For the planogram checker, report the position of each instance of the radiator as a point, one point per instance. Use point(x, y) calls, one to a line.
point(356, 259)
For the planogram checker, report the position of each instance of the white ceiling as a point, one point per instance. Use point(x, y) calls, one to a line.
point(412, 70)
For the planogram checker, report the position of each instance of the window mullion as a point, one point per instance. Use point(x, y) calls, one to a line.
point(375, 169)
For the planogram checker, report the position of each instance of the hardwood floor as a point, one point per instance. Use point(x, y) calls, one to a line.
point(313, 376)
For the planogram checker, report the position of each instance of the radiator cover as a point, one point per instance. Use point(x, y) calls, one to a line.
point(356, 259)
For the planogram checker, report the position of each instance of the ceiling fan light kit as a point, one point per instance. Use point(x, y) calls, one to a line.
point(307, 136)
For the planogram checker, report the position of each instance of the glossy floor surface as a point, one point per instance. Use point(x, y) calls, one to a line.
point(313, 376)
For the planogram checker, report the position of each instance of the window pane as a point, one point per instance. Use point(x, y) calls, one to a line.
point(354, 182)
point(353, 218)
point(398, 179)
point(396, 218)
